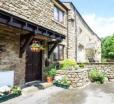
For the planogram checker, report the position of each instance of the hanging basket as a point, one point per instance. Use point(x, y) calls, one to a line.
point(35, 47)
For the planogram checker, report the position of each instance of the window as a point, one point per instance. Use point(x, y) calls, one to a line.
point(58, 15)
point(61, 52)
point(80, 30)
point(80, 47)
point(58, 53)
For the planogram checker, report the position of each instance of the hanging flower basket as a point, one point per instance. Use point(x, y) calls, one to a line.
point(35, 47)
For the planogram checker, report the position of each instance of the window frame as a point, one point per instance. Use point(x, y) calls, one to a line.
point(60, 15)
point(59, 54)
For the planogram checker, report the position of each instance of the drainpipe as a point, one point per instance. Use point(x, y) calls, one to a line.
point(76, 42)
point(67, 35)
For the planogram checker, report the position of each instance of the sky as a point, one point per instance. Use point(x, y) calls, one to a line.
point(99, 15)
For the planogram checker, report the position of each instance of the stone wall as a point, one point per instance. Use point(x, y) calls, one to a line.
point(9, 56)
point(81, 35)
point(40, 12)
point(107, 68)
point(79, 78)
point(37, 11)
point(72, 31)
point(88, 40)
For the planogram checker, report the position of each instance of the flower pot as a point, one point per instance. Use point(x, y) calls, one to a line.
point(49, 79)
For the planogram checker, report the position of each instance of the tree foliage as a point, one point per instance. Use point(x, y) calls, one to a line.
point(108, 47)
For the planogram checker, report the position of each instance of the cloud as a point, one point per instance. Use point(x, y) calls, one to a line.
point(103, 26)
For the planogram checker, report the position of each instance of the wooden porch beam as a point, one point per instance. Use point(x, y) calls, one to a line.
point(27, 39)
point(52, 48)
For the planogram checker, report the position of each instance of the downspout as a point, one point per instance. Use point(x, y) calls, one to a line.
point(76, 42)
point(67, 35)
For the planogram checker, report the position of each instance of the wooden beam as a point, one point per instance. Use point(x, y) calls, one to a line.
point(41, 37)
point(52, 48)
point(14, 21)
point(27, 39)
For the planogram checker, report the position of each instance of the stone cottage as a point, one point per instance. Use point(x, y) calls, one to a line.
point(83, 44)
point(21, 23)
point(57, 26)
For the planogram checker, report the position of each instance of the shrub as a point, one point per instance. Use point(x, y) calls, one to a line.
point(16, 90)
point(67, 63)
point(96, 76)
point(49, 69)
point(52, 72)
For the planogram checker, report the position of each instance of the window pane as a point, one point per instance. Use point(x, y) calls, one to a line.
point(56, 13)
point(55, 54)
point(61, 16)
point(61, 52)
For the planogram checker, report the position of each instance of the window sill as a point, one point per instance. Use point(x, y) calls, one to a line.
point(63, 25)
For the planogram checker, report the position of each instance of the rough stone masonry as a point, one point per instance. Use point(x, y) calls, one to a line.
point(79, 78)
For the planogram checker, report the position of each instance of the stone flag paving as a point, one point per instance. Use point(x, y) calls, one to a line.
point(91, 94)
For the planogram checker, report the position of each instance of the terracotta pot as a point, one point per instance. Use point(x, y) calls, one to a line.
point(49, 79)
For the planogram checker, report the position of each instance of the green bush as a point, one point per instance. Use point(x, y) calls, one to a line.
point(52, 72)
point(67, 63)
point(49, 70)
point(96, 76)
point(16, 90)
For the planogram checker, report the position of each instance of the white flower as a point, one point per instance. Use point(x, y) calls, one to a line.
point(4, 88)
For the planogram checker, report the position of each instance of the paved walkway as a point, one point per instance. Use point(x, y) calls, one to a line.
point(92, 94)
point(39, 97)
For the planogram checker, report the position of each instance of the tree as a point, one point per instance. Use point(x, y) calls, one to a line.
point(108, 47)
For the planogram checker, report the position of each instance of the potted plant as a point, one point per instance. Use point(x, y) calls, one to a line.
point(35, 47)
point(51, 74)
point(9, 93)
point(64, 83)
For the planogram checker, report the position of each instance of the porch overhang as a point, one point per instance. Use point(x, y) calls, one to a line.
point(11, 20)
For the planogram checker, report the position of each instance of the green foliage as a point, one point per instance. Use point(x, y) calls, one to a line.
point(16, 90)
point(81, 65)
point(36, 45)
point(96, 76)
point(52, 72)
point(108, 47)
point(67, 63)
point(64, 82)
point(48, 68)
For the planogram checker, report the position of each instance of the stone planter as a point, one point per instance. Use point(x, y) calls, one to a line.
point(61, 85)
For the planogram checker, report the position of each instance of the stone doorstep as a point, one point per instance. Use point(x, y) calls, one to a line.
point(34, 88)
